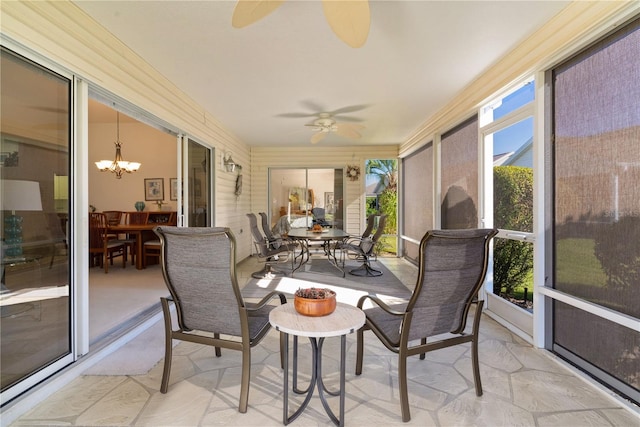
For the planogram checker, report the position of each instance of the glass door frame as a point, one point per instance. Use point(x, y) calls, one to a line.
point(270, 196)
point(514, 318)
point(77, 128)
point(184, 182)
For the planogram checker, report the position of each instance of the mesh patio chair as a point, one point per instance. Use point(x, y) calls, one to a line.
point(199, 268)
point(274, 241)
point(319, 217)
point(452, 267)
point(267, 254)
point(364, 248)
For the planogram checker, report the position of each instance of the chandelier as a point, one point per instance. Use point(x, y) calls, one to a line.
point(118, 166)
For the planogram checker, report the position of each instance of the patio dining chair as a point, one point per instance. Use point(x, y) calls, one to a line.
point(452, 268)
point(199, 268)
point(364, 248)
point(267, 253)
point(274, 241)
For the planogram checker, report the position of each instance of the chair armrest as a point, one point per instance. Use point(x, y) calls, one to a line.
point(380, 303)
point(353, 241)
point(258, 305)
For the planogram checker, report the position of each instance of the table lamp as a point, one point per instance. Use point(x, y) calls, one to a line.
point(18, 196)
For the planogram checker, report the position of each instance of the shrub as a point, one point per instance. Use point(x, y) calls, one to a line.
point(513, 210)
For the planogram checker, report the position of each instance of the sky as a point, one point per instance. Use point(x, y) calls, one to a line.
point(511, 138)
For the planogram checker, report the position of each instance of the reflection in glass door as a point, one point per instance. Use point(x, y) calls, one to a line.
point(302, 197)
point(198, 177)
point(35, 302)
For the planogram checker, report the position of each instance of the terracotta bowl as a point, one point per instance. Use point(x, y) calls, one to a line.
point(315, 307)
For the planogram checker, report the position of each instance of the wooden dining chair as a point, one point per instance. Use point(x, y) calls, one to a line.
point(101, 247)
point(113, 218)
point(151, 248)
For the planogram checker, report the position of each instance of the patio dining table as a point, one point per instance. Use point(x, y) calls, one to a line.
point(328, 237)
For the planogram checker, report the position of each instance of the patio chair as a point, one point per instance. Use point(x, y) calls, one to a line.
point(452, 267)
point(371, 222)
point(364, 248)
point(319, 217)
point(267, 254)
point(199, 268)
point(274, 241)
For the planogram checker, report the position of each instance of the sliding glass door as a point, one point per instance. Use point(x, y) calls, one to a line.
point(35, 299)
point(197, 177)
point(300, 197)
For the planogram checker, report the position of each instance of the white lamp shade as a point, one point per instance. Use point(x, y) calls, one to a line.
point(21, 195)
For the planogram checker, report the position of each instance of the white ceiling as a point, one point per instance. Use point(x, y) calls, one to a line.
point(266, 81)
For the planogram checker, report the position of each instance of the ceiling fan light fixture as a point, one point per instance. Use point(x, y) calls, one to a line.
point(326, 124)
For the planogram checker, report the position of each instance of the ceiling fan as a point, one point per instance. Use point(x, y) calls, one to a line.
point(349, 20)
point(325, 124)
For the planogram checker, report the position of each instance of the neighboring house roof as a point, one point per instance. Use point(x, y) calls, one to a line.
point(499, 159)
point(523, 156)
point(374, 188)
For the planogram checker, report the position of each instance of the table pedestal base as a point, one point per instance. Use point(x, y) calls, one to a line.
point(315, 382)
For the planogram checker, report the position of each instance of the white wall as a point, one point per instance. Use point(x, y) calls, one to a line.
point(156, 151)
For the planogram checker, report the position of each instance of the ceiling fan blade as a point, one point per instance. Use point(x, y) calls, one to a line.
point(296, 115)
point(349, 20)
point(247, 12)
point(349, 130)
point(318, 137)
point(348, 109)
point(352, 119)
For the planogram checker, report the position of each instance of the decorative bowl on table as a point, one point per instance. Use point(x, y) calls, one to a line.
point(317, 228)
point(314, 302)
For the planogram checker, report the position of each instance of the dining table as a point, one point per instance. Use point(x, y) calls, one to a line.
point(137, 230)
point(327, 237)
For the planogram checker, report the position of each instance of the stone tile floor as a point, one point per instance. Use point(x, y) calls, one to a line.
point(522, 386)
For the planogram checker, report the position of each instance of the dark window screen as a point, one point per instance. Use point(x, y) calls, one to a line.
point(596, 115)
point(460, 176)
point(417, 171)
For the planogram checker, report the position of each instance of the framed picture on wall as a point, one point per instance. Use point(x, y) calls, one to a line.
point(154, 189)
point(173, 188)
point(328, 202)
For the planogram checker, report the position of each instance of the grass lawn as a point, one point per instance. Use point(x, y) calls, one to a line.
point(389, 245)
point(577, 264)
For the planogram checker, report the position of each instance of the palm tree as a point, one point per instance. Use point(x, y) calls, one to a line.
point(387, 173)
point(386, 170)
